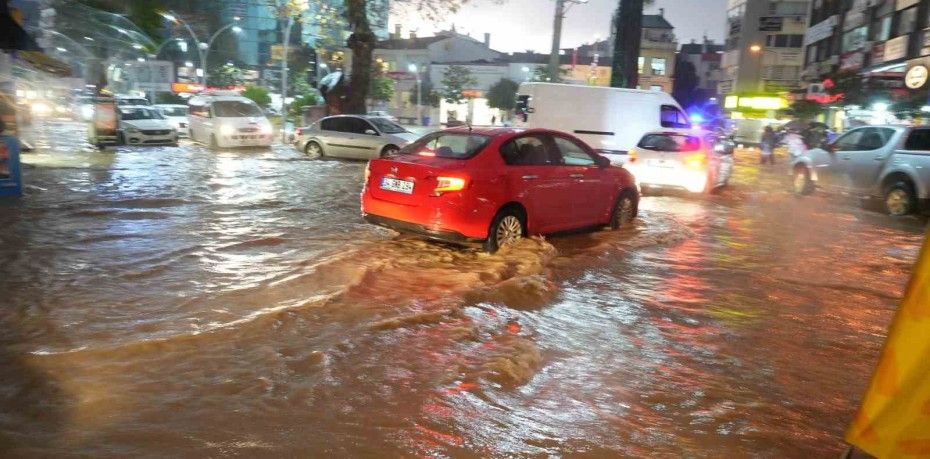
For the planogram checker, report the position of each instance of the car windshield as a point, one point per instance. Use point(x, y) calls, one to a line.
point(174, 111)
point(387, 126)
point(670, 142)
point(447, 145)
point(235, 109)
point(139, 113)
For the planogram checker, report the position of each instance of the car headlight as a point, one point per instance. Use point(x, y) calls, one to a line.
point(227, 130)
point(40, 108)
point(132, 130)
point(265, 129)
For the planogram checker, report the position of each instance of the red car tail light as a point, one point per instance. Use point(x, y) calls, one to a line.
point(447, 184)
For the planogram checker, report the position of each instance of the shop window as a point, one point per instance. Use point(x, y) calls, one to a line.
point(641, 61)
point(881, 28)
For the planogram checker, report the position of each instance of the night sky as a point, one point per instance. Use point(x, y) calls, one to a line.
point(519, 25)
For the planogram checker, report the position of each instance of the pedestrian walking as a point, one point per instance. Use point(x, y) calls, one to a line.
point(767, 145)
point(493, 120)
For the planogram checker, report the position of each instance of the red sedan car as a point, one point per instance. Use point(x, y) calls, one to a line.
point(494, 186)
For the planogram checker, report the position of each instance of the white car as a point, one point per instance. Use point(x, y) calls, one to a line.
point(143, 125)
point(687, 159)
point(177, 116)
point(224, 119)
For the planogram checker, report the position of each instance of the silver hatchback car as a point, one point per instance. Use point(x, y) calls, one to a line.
point(352, 136)
point(890, 163)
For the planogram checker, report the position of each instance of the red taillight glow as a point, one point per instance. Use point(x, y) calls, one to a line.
point(696, 161)
point(447, 184)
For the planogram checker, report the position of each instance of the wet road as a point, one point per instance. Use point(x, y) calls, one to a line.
point(183, 302)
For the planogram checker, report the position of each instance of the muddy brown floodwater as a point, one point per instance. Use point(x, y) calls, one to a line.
point(181, 302)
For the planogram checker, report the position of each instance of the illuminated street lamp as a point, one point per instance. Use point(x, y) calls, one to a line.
point(203, 48)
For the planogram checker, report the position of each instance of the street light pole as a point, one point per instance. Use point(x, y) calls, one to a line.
point(413, 68)
point(287, 41)
point(205, 49)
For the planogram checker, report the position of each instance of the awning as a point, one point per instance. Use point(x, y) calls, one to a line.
point(40, 61)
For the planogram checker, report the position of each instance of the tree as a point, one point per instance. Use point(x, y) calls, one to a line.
point(362, 42)
point(503, 94)
point(628, 29)
point(685, 89)
point(145, 14)
point(257, 94)
point(225, 76)
point(456, 79)
point(382, 88)
point(543, 74)
point(428, 95)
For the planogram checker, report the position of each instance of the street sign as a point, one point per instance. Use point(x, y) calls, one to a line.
point(771, 23)
point(916, 77)
point(191, 88)
point(152, 75)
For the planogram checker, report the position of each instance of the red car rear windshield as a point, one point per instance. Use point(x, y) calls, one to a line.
point(670, 142)
point(447, 145)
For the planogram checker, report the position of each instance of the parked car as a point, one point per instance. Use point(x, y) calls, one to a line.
point(352, 136)
point(612, 120)
point(177, 116)
point(493, 186)
point(695, 161)
point(224, 119)
point(890, 163)
point(122, 99)
point(143, 125)
point(382, 114)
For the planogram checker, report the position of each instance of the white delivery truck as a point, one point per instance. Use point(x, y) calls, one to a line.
point(610, 120)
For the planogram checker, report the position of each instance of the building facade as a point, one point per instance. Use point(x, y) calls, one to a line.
point(879, 39)
point(657, 53)
point(763, 52)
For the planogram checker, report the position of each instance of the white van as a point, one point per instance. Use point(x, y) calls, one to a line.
point(611, 120)
point(225, 119)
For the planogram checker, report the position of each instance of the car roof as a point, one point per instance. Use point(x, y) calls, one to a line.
point(123, 107)
point(171, 105)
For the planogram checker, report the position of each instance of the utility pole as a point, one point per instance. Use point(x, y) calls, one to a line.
point(554, 58)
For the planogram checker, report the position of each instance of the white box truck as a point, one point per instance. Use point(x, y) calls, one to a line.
point(611, 120)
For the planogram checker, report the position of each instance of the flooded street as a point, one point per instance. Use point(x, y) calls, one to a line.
point(185, 302)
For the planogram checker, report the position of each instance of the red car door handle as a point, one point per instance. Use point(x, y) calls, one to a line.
point(530, 177)
point(577, 176)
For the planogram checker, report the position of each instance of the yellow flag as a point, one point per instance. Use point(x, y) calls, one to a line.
point(894, 419)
